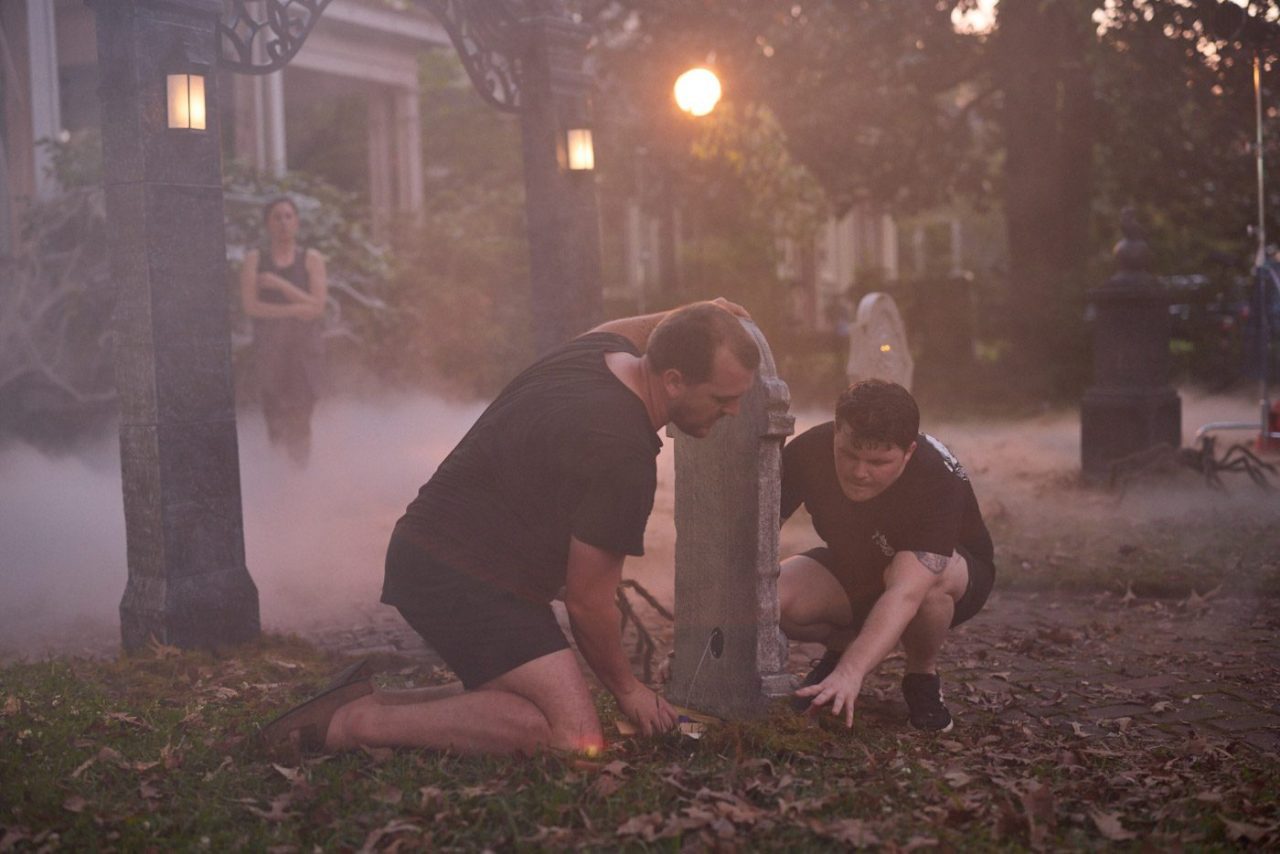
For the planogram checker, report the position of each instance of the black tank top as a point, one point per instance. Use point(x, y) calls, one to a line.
point(295, 274)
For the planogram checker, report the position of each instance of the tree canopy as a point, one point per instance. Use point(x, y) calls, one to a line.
point(1058, 114)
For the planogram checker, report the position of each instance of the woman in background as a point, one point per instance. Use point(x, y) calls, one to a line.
point(283, 288)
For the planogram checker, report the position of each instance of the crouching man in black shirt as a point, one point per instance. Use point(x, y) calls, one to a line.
point(550, 489)
point(907, 555)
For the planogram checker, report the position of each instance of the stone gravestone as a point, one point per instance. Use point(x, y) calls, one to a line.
point(878, 343)
point(730, 656)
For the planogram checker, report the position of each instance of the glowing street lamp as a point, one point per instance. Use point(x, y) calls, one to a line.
point(697, 91)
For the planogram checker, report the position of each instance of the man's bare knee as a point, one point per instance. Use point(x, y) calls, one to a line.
point(579, 737)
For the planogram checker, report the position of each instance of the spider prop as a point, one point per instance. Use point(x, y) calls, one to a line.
point(1203, 459)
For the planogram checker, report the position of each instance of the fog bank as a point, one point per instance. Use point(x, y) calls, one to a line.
point(314, 538)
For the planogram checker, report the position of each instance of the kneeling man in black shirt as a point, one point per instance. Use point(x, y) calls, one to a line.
point(907, 555)
point(549, 490)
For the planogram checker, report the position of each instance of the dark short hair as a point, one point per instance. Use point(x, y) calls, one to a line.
point(879, 412)
point(687, 340)
point(278, 200)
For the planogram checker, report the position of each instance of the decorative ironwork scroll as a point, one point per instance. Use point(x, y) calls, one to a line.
point(261, 36)
point(491, 40)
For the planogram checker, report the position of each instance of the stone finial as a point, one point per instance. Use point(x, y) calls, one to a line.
point(1132, 253)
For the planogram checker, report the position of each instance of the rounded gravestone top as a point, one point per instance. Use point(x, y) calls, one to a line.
point(878, 343)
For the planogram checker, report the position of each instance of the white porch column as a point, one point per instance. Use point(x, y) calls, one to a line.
point(408, 136)
point(889, 247)
point(46, 113)
point(6, 204)
point(957, 247)
point(273, 123)
point(381, 189)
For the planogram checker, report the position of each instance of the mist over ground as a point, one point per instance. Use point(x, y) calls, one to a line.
point(316, 537)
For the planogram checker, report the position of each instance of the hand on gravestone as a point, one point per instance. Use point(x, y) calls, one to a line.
point(840, 689)
point(647, 710)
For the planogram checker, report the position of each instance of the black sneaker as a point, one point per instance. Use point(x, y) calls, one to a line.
point(923, 693)
point(822, 668)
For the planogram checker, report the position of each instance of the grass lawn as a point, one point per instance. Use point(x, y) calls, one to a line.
point(155, 752)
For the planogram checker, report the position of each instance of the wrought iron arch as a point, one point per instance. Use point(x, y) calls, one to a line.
point(490, 36)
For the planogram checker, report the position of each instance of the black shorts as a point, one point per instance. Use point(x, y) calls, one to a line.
point(982, 577)
point(479, 630)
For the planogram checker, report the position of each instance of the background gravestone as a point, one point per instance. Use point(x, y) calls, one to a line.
point(730, 656)
point(878, 343)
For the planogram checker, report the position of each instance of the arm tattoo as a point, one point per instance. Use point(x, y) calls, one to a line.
point(933, 562)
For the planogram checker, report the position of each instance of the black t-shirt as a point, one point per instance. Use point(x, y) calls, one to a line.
point(929, 508)
point(565, 449)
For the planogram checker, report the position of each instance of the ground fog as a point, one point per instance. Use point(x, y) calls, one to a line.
point(315, 537)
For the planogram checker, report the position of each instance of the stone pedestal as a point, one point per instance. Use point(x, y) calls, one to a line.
point(560, 204)
point(188, 584)
point(730, 656)
point(1131, 406)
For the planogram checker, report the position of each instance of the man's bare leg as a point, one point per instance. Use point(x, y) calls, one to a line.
point(813, 606)
point(422, 694)
point(925, 634)
point(543, 703)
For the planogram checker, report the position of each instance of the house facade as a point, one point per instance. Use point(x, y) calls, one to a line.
point(360, 50)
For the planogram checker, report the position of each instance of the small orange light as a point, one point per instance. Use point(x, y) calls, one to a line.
point(885, 348)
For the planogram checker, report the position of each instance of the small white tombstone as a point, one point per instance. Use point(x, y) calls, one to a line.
point(878, 343)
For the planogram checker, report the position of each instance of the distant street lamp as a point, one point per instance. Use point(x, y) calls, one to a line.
point(697, 91)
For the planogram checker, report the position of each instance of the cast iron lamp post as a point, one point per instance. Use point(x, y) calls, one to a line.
point(188, 584)
point(1131, 406)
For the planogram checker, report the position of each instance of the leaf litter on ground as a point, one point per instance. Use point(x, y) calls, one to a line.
point(120, 760)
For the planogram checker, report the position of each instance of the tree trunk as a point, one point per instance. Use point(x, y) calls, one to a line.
point(1043, 70)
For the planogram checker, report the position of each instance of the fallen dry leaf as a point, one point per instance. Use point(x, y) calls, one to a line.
point(160, 650)
point(850, 831)
point(431, 797)
point(12, 705)
point(391, 828)
point(1038, 804)
point(1238, 830)
point(293, 775)
point(129, 719)
point(1109, 825)
point(605, 785)
point(278, 811)
point(12, 836)
point(646, 826)
point(75, 804)
point(390, 795)
point(379, 754)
